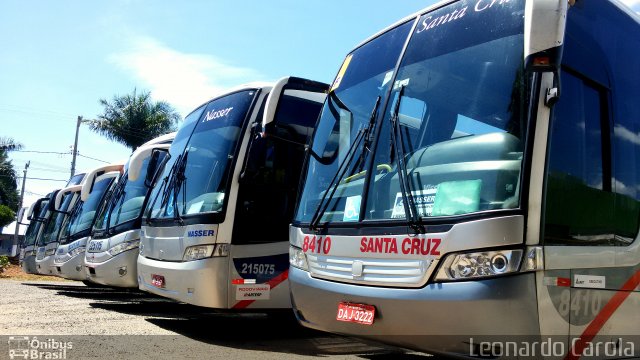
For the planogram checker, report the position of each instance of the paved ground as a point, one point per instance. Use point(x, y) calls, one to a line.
point(103, 323)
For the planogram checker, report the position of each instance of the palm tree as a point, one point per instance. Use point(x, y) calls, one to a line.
point(134, 119)
point(8, 180)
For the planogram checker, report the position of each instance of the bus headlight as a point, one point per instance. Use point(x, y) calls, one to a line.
point(198, 252)
point(122, 247)
point(298, 258)
point(49, 252)
point(76, 251)
point(479, 264)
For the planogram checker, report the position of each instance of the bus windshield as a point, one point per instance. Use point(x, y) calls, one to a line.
point(34, 227)
point(52, 229)
point(195, 178)
point(84, 213)
point(175, 151)
point(126, 201)
point(449, 134)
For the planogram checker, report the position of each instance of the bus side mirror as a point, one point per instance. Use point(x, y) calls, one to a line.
point(51, 205)
point(553, 93)
point(20, 215)
point(156, 158)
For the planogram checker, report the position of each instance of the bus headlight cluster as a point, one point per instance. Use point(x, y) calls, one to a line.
point(122, 247)
point(49, 252)
point(479, 264)
point(198, 252)
point(76, 251)
point(298, 258)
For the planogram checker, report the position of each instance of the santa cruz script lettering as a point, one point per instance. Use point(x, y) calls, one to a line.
point(431, 22)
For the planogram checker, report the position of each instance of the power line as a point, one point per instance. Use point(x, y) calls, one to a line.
point(42, 152)
point(61, 153)
point(34, 178)
point(33, 193)
point(89, 157)
point(50, 170)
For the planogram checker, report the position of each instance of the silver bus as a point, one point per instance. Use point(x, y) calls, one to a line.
point(68, 261)
point(215, 232)
point(37, 216)
point(112, 252)
point(57, 210)
point(475, 171)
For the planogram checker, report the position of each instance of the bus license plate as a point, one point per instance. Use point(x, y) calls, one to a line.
point(356, 313)
point(157, 280)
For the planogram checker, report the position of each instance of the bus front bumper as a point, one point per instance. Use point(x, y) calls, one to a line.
point(29, 264)
point(72, 269)
point(45, 266)
point(201, 282)
point(440, 318)
point(119, 271)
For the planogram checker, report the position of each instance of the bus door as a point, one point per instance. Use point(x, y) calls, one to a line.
point(268, 188)
point(590, 221)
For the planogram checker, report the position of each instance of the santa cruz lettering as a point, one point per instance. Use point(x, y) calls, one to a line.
point(408, 246)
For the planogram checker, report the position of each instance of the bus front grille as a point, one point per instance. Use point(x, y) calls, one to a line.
point(369, 271)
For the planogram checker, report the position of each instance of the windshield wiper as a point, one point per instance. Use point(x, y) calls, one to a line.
point(163, 189)
point(178, 184)
point(410, 210)
point(114, 197)
point(363, 134)
point(368, 132)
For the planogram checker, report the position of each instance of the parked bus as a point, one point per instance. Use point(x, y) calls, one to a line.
point(215, 232)
point(47, 241)
point(69, 259)
point(36, 216)
point(112, 253)
point(474, 171)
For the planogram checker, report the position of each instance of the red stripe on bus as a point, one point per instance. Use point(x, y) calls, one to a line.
point(607, 311)
point(243, 304)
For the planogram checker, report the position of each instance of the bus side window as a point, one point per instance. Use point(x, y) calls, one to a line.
point(580, 204)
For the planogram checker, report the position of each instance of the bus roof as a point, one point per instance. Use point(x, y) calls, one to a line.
point(251, 85)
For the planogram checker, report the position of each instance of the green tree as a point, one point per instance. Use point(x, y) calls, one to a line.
point(8, 180)
point(134, 119)
point(7, 216)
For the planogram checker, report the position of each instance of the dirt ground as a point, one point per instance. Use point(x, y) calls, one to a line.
point(14, 272)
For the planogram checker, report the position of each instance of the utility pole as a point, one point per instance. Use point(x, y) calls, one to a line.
point(14, 249)
point(75, 148)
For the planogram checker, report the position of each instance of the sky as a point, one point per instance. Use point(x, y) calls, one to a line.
point(58, 58)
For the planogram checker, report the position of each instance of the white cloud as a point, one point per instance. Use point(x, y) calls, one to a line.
point(621, 188)
point(631, 3)
point(182, 79)
point(626, 134)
